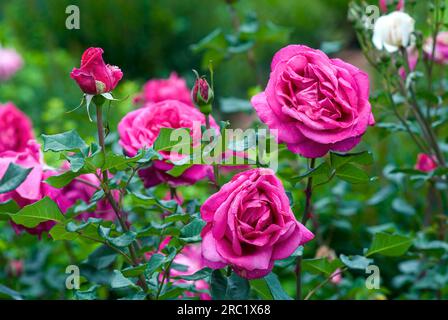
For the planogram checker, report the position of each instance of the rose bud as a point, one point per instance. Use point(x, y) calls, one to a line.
point(393, 31)
point(95, 76)
point(440, 54)
point(384, 4)
point(425, 163)
point(202, 95)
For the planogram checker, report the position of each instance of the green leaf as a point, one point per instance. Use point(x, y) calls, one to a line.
point(43, 210)
point(63, 179)
point(237, 288)
point(356, 262)
point(391, 245)
point(400, 205)
point(198, 275)
point(232, 105)
point(7, 208)
point(261, 287)
point(89, 294)
point(322, 265)
point(339, 159)
point(154, 263)
point(191, 232)
point(14, 176)
point(177, 171)
point(67, 141)
point(322, 169)
point(119, 281)
point(9, 293)
point(59, 232)
point(275, 287)
point(164, 141)
point(134, 271)
point(218, 285)
point(352, 174)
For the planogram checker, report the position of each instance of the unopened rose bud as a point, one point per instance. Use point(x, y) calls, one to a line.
point(202, 95)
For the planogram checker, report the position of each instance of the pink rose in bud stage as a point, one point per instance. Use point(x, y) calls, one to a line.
point(94, 76)
point(15, 127)
point(202, 93)
point(425, 162)
point(250, 225)
point(10, 63)
point(15, 268)
point(412, 60)
point(317, 104)
point(384, 5)
point(441, 49)
point(191, 259)
point(157, 90)
point(140, 128)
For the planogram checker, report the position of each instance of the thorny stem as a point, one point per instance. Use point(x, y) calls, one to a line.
point(320, 285)
point(306, 216)
point(110, 198)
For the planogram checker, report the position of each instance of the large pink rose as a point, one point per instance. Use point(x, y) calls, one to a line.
point(317, 104)
point(140, 128)
point(250, 225)
point(173, 88)
point(10, 63)
point(440, 50)
point(15, 127)
point(94, 76)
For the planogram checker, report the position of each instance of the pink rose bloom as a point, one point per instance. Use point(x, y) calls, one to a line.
point(15, 127)
point(157, 90)
point(94, 76)
point(140, 128)
point(425, 162)
point(384, 4)
point(250, 225)
point(317, 104)
point(441, 48)
point(10, 63)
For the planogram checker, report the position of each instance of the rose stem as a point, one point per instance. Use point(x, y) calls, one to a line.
point(306, 216)
point(215, 165)
point(107, 192)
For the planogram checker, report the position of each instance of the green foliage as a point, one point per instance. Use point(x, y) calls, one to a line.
point(14, 176)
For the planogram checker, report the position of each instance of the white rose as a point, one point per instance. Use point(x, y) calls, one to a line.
point(393, 31)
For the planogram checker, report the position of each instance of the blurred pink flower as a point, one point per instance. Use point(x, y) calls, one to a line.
point(10, 63)
point(425, 162)
point(15, 127)
point(441, 48)
point(384, 5)
point(157, 90)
